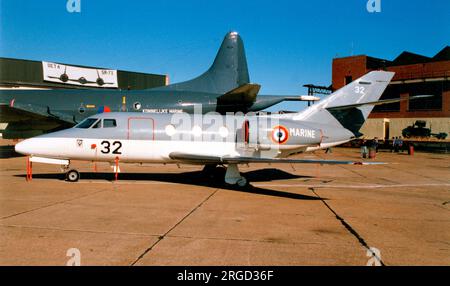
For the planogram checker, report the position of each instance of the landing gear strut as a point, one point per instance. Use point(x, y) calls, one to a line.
point(214, 172)
point(72, 176)
point(233, 176)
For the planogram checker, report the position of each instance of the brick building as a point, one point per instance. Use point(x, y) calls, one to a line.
point(414, 75)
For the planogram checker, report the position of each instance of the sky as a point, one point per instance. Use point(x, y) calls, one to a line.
point(288, 43)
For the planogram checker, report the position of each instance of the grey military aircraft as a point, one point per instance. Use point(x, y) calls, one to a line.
point(224, 87)
point(213, 139)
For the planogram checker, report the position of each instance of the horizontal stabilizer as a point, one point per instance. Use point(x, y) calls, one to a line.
point(243, 94)
point(203, 159)
point(282, 98)
point(379, 102)
point(302, 98)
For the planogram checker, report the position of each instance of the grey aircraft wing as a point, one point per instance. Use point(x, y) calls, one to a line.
point(202, 159)
point(27, 120)
point(16, 111)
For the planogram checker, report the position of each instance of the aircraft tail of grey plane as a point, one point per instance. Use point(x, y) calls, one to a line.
point(351, 105)
point(228, 71)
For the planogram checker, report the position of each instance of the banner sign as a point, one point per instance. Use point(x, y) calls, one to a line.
point(91, 77)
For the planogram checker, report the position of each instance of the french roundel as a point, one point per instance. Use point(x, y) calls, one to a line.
point(280, 135)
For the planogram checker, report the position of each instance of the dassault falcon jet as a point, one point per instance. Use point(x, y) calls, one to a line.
point(213, 139)
point(224, 87)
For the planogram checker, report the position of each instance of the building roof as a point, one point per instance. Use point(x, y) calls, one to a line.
point(443, 55)
point(376, 63)
point(405, 58)
point(408, 58)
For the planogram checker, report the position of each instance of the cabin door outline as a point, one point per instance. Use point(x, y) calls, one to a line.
point(247, 136)
point(141, 120)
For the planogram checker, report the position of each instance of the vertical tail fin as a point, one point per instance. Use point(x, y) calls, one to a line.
point(346, 106)
point(228, 71)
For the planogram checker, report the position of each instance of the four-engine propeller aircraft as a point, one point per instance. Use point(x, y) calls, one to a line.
point(224, 87)
point(214, 139)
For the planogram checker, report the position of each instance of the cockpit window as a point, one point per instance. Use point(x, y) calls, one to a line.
point(88, 122)
point(109, 123)
point(98, 124)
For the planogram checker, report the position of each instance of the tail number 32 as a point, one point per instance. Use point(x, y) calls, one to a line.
point(114, 146)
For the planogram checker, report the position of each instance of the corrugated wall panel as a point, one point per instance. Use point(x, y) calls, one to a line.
point(29, 73)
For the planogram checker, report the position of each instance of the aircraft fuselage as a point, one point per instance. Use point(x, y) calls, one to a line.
point(141, 137)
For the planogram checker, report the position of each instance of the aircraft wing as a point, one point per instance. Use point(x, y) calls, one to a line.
point(16, 111)
point(203, 159)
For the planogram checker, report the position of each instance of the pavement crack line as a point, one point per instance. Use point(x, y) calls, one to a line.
point(348, 227)
point(416, 174)
point(160, 238)
point(76, 230)
point(52, 204)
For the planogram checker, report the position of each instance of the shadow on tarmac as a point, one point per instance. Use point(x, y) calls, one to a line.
point(8, 151)
point(197, 178)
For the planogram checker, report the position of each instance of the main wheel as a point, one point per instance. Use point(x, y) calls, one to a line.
point(72, 176)
point(242, 182)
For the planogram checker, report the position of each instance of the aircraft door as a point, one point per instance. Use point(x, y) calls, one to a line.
point(141, 128)
point(253, 140)
point(248, 137)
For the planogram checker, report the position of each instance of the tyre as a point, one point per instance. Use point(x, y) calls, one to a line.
point(242, 182)
point(72, 176)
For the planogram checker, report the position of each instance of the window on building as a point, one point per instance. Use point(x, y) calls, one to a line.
point(391, 92)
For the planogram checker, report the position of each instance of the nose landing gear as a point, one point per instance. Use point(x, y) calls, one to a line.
point(72, 175)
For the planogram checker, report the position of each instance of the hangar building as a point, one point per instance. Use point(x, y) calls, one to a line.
point(17, 73)
point(414, 75)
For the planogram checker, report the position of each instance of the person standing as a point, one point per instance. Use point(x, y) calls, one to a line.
point(400, 144)
point(396, 145)
point(364, 150)
point(393, 144)
point(375, 144)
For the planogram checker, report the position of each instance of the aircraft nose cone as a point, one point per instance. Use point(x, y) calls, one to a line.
point(25, 147)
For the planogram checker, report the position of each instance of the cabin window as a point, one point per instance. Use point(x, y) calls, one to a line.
point(109, 123)
point(88, 122)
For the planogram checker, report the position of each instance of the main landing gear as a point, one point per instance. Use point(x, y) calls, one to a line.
point(230, 175)
point(233, 176)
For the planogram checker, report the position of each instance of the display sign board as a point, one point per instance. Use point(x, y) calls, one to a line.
point(90, 77)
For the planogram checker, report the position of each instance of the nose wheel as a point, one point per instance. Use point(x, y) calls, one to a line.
point(72, 176)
